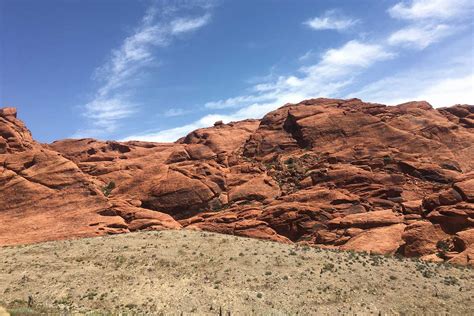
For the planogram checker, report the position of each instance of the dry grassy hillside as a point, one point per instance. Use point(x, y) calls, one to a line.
point(189, 272)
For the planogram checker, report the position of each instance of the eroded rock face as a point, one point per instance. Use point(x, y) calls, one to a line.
point(14, 136)
point(45, 196)
point(335, 173)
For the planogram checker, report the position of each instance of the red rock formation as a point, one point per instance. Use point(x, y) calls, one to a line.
point(45, 196)
point(334, 173)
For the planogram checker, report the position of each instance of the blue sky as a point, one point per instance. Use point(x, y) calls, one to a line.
point(156, 70)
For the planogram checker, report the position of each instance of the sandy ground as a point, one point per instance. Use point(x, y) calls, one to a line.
point(189, 272)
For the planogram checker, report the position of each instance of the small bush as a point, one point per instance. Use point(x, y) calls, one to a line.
point(443, 248)
point(450, 280)
point(108, 188)
point(327, 267)
point(387, 160)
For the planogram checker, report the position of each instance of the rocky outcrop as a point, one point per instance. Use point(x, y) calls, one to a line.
point(335, 173)
point(45, 196)
point(14, 136)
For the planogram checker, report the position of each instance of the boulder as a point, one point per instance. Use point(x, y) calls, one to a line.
point(381, 240)
point(464, 239)
point(466, 189)
point(453, 218)
point(421, 238)
point(446, 197)
point(464, 258)
point(258, 188)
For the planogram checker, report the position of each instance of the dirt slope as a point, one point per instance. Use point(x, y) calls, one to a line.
point(173, 272)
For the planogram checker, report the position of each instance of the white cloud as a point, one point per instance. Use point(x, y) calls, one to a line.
point(450, 91)
point(419, 37)
point(428, 21)
point(175, 112)
point(431, 9)
point(186, 25)
point(331, 20)
point(437, 91)
point(335, 70)
point(444, 85)
point(235, 102)
point(105, 111)
point(112, 100)
point(306, 55)
point(355, 53)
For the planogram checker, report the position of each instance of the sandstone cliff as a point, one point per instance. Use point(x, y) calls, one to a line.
point(326, 172)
